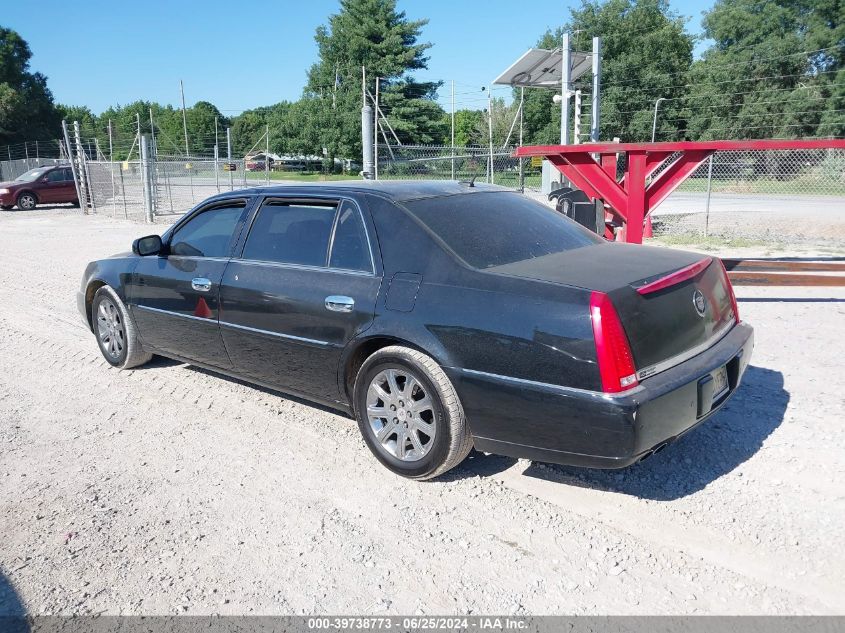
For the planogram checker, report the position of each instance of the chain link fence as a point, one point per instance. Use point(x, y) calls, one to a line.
point(737, 197)
point(20, 158)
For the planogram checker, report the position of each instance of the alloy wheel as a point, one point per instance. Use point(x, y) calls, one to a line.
point(27, 202)
point(401, 414)
point(110, 329)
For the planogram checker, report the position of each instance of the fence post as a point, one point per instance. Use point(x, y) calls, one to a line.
point(145, 178)
point(490, 132)
point(521, 160)
point(84, 190)
point(709, 189)
point(72, 166)
point(229, 158)
point(216, 157)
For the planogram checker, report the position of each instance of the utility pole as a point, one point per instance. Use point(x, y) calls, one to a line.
point(521, 160)
point(654, 124)
point(267, 153)
point(375, 134)
point(565, 81)
point(453, 129)
point(184, 118)
point(595, 108)
point(366, 132)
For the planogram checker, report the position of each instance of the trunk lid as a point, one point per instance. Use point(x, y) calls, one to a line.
point(675, 316)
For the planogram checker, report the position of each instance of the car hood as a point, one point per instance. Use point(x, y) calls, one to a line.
point(10, 183)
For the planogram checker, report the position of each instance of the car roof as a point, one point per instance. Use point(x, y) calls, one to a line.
point(396, 190)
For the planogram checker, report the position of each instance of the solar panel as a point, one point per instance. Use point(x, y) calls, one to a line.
point(540, 68)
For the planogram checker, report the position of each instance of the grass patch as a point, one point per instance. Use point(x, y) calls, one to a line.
point(771, 186)
point(711, 242)
point(299, 176)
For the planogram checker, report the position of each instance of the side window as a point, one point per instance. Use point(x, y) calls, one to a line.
point(57, 175)
point(350, 250)
point(291, 233)
point(68, 175)
point(207, 234)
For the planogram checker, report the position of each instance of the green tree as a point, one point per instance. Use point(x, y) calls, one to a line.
point(467, 126)
point(646, 53)
point(775, 70)
point(374, 35)
point(27, 112)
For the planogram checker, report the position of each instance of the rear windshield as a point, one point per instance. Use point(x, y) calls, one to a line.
point(498, 228)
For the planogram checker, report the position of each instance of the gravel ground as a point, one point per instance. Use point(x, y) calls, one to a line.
point(169, 489)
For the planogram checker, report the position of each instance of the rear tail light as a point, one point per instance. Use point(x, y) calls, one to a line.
point(616, 362)
point(730, 288)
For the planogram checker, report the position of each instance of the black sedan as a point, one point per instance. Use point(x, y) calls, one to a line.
point(441, 315)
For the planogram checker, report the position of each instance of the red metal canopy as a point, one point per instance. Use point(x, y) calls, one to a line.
point(632, 198)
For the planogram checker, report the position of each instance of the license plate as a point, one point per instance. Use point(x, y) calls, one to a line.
point(720, 383)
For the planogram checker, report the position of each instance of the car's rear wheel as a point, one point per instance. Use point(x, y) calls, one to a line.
point(27, 202)
point(409, 413)
point(115, 331)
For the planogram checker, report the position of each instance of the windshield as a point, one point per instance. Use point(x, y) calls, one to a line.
point(498, 228)
point(32, 175)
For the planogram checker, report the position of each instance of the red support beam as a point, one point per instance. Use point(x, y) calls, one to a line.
point(635, 176)
point(610, 190)
point(574, 176)
point(674, 175)
point(630, 199)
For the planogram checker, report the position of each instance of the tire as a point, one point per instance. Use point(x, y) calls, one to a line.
point(423, 439)
point(27, 201)
point(116, 334)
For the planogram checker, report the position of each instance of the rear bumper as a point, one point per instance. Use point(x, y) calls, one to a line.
point(596, 430)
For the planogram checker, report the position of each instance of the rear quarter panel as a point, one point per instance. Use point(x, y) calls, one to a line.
point(481, 321)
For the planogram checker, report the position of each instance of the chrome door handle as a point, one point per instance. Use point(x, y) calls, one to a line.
point(201, 284)
point(339, 303)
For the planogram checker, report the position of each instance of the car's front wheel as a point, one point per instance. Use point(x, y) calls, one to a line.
point(115, 331)
point(409, 413)
point(27, 202)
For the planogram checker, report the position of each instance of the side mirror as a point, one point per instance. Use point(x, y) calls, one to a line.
point(149, 245)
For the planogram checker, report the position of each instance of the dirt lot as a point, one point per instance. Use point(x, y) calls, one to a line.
point(171, 490)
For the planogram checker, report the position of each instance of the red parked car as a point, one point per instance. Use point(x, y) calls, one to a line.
point(39, 186)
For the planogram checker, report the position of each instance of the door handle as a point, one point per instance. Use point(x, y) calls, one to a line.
point(339, 303)
point(201, 284)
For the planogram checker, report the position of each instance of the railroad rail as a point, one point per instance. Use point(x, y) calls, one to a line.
point(786, 272)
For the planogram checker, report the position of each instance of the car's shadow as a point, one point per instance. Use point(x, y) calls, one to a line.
point(12, 610)
point(715, 448)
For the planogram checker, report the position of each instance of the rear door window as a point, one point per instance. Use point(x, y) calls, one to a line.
point(350, 247)
point(291, 233)
point(497, 228)
point(57, 175)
